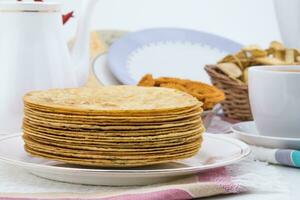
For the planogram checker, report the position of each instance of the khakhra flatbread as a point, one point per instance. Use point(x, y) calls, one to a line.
point(114, 126)
point(112, 99)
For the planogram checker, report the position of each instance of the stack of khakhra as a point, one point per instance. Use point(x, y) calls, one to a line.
point(115, 126)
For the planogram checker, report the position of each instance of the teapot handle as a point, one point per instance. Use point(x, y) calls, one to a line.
point(80, 50)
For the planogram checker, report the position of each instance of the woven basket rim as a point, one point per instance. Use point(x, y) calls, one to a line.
point(229, 81)
point(236, 104)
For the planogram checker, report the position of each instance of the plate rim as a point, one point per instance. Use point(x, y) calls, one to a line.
point(93, 68)
point(245, 151)
point(244, 133)
point(123, 75)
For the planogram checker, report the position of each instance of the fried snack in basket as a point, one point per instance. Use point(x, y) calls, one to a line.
point(209, 95)
point(236, 66)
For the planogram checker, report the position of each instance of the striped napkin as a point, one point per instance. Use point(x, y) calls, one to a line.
point(285, 157)
point(211, 183)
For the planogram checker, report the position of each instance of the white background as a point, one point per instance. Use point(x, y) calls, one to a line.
point(246, 21)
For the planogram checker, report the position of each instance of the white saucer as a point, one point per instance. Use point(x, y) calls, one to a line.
point(247, 132)
point(216, 151)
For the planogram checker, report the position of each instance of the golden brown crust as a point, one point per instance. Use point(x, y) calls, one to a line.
point(147, 81)
point(175, 86)
point(111, 99)
point(208, 94)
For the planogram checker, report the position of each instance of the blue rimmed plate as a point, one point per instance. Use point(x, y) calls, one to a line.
point(172, 52)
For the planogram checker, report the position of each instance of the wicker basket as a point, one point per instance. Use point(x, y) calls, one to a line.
point(236, 104)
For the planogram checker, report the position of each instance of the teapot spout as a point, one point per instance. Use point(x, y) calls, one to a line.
point(80, 50)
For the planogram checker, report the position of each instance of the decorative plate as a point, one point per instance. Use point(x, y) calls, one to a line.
point(171, 52)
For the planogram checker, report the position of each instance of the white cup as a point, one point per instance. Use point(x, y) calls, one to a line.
point(274, 93)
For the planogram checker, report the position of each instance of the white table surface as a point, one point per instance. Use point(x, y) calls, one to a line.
point(291, 177)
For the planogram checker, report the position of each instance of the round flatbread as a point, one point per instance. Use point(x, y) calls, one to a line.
point(112, 100)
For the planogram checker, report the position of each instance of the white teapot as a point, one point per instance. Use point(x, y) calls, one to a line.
point(35, 56)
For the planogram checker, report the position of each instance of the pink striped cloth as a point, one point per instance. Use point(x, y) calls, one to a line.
point(214, 182)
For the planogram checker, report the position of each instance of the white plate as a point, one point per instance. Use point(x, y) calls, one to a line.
point(247, 132)
point(217, 151)
point(174, 52)
point(102, 72)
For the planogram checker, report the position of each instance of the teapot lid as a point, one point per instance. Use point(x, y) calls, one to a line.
point(29, 7)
